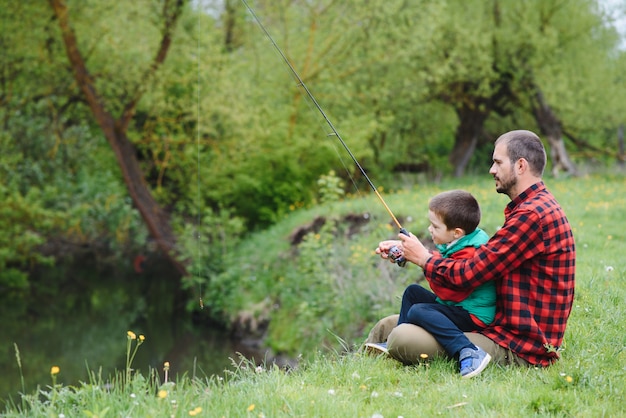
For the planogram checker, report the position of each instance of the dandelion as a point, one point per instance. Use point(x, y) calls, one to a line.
point(53, 372)
point(259, 369)
point(251, 407)
point(162, 394)
point(129, 359)
point(195, 411)
point(424, 356)
point(608, 269)
point(569, 379)
point(331, 391)
point(166, 369)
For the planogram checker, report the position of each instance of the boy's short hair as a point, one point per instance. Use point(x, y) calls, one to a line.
point(457, 209)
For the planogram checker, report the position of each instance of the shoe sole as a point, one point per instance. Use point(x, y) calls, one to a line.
point(375, 349)
point(480, 368)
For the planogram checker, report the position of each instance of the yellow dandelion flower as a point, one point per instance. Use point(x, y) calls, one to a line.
point(424, 356)
point(251, 407)
point(162, 394)
point(54, 370)
point(569, 379)
point(131, 335)
point(142, 338)
point(166, 365)
point(195, 411)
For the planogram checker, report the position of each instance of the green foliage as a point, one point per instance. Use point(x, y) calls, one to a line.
point(331, 188)
point(24, 223)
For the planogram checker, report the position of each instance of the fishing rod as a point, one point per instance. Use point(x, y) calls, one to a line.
point(394, 253)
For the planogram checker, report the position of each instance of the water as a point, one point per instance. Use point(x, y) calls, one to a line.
point(77, 317)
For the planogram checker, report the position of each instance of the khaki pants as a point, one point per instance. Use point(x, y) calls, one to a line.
point(408, 343)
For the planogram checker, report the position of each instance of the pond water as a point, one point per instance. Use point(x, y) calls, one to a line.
point(77, 318)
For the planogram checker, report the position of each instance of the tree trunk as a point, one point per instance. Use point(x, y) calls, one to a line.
point(620, 145)
point(115, 130)
point(550, 126)
point(471, 121)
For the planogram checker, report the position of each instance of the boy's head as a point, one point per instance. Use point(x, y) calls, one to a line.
point(452, 214)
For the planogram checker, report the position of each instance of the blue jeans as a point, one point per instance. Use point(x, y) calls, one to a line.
point(445, 322)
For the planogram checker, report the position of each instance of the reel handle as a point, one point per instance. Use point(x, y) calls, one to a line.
point(396, 254)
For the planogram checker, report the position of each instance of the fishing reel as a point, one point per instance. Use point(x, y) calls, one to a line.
point(395, 253)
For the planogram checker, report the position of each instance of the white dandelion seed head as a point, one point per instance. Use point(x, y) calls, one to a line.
point(608, 269)
point(374, 394)
point(331, 391)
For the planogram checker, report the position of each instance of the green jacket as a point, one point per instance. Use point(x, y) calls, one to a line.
point(481, 302)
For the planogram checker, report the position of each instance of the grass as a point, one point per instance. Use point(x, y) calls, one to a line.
point(331, 289)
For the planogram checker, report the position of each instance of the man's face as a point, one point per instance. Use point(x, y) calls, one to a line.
point(503, 171)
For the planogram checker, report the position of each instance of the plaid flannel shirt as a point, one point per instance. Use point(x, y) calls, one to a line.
point(532, 258)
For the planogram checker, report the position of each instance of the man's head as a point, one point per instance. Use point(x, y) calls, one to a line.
point(452, 214)
point(519, 159)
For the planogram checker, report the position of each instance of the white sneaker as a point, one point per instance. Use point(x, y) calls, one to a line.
point(376, 348)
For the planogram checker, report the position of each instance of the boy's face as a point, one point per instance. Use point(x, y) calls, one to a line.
point(439, 231)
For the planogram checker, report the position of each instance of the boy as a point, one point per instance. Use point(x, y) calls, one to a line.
point(454, 217)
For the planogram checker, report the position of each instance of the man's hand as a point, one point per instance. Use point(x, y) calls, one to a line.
point(413, 249)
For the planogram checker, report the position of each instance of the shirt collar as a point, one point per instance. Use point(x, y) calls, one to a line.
point(525, 195)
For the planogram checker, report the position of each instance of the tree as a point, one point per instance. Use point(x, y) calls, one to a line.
point(115, 129)
point(502, 58)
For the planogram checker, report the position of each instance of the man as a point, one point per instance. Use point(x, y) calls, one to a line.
point(531, 259)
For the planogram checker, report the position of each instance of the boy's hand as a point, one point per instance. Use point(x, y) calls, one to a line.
point(413, 249)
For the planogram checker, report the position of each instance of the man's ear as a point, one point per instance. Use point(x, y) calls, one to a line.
point(521, 165)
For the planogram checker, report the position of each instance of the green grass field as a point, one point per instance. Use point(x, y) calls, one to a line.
point(333, 288)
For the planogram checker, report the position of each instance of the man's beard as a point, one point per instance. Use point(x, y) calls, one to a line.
point(507, 185)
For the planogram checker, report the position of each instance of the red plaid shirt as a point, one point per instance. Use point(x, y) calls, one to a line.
point(532, 258)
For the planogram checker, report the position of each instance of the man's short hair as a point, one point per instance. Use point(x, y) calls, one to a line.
point(526, 145)
point(457, 209)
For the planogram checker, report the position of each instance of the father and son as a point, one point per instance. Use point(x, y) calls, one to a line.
point(506, 298)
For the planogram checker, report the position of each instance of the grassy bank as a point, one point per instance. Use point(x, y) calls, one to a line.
point(321, 296)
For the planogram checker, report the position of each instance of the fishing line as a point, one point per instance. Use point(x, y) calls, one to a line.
point(321, 111)
point(336, 149)
point(198, 199)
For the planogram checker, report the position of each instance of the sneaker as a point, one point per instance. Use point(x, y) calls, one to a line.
point(473, 361)
point(376, 348)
